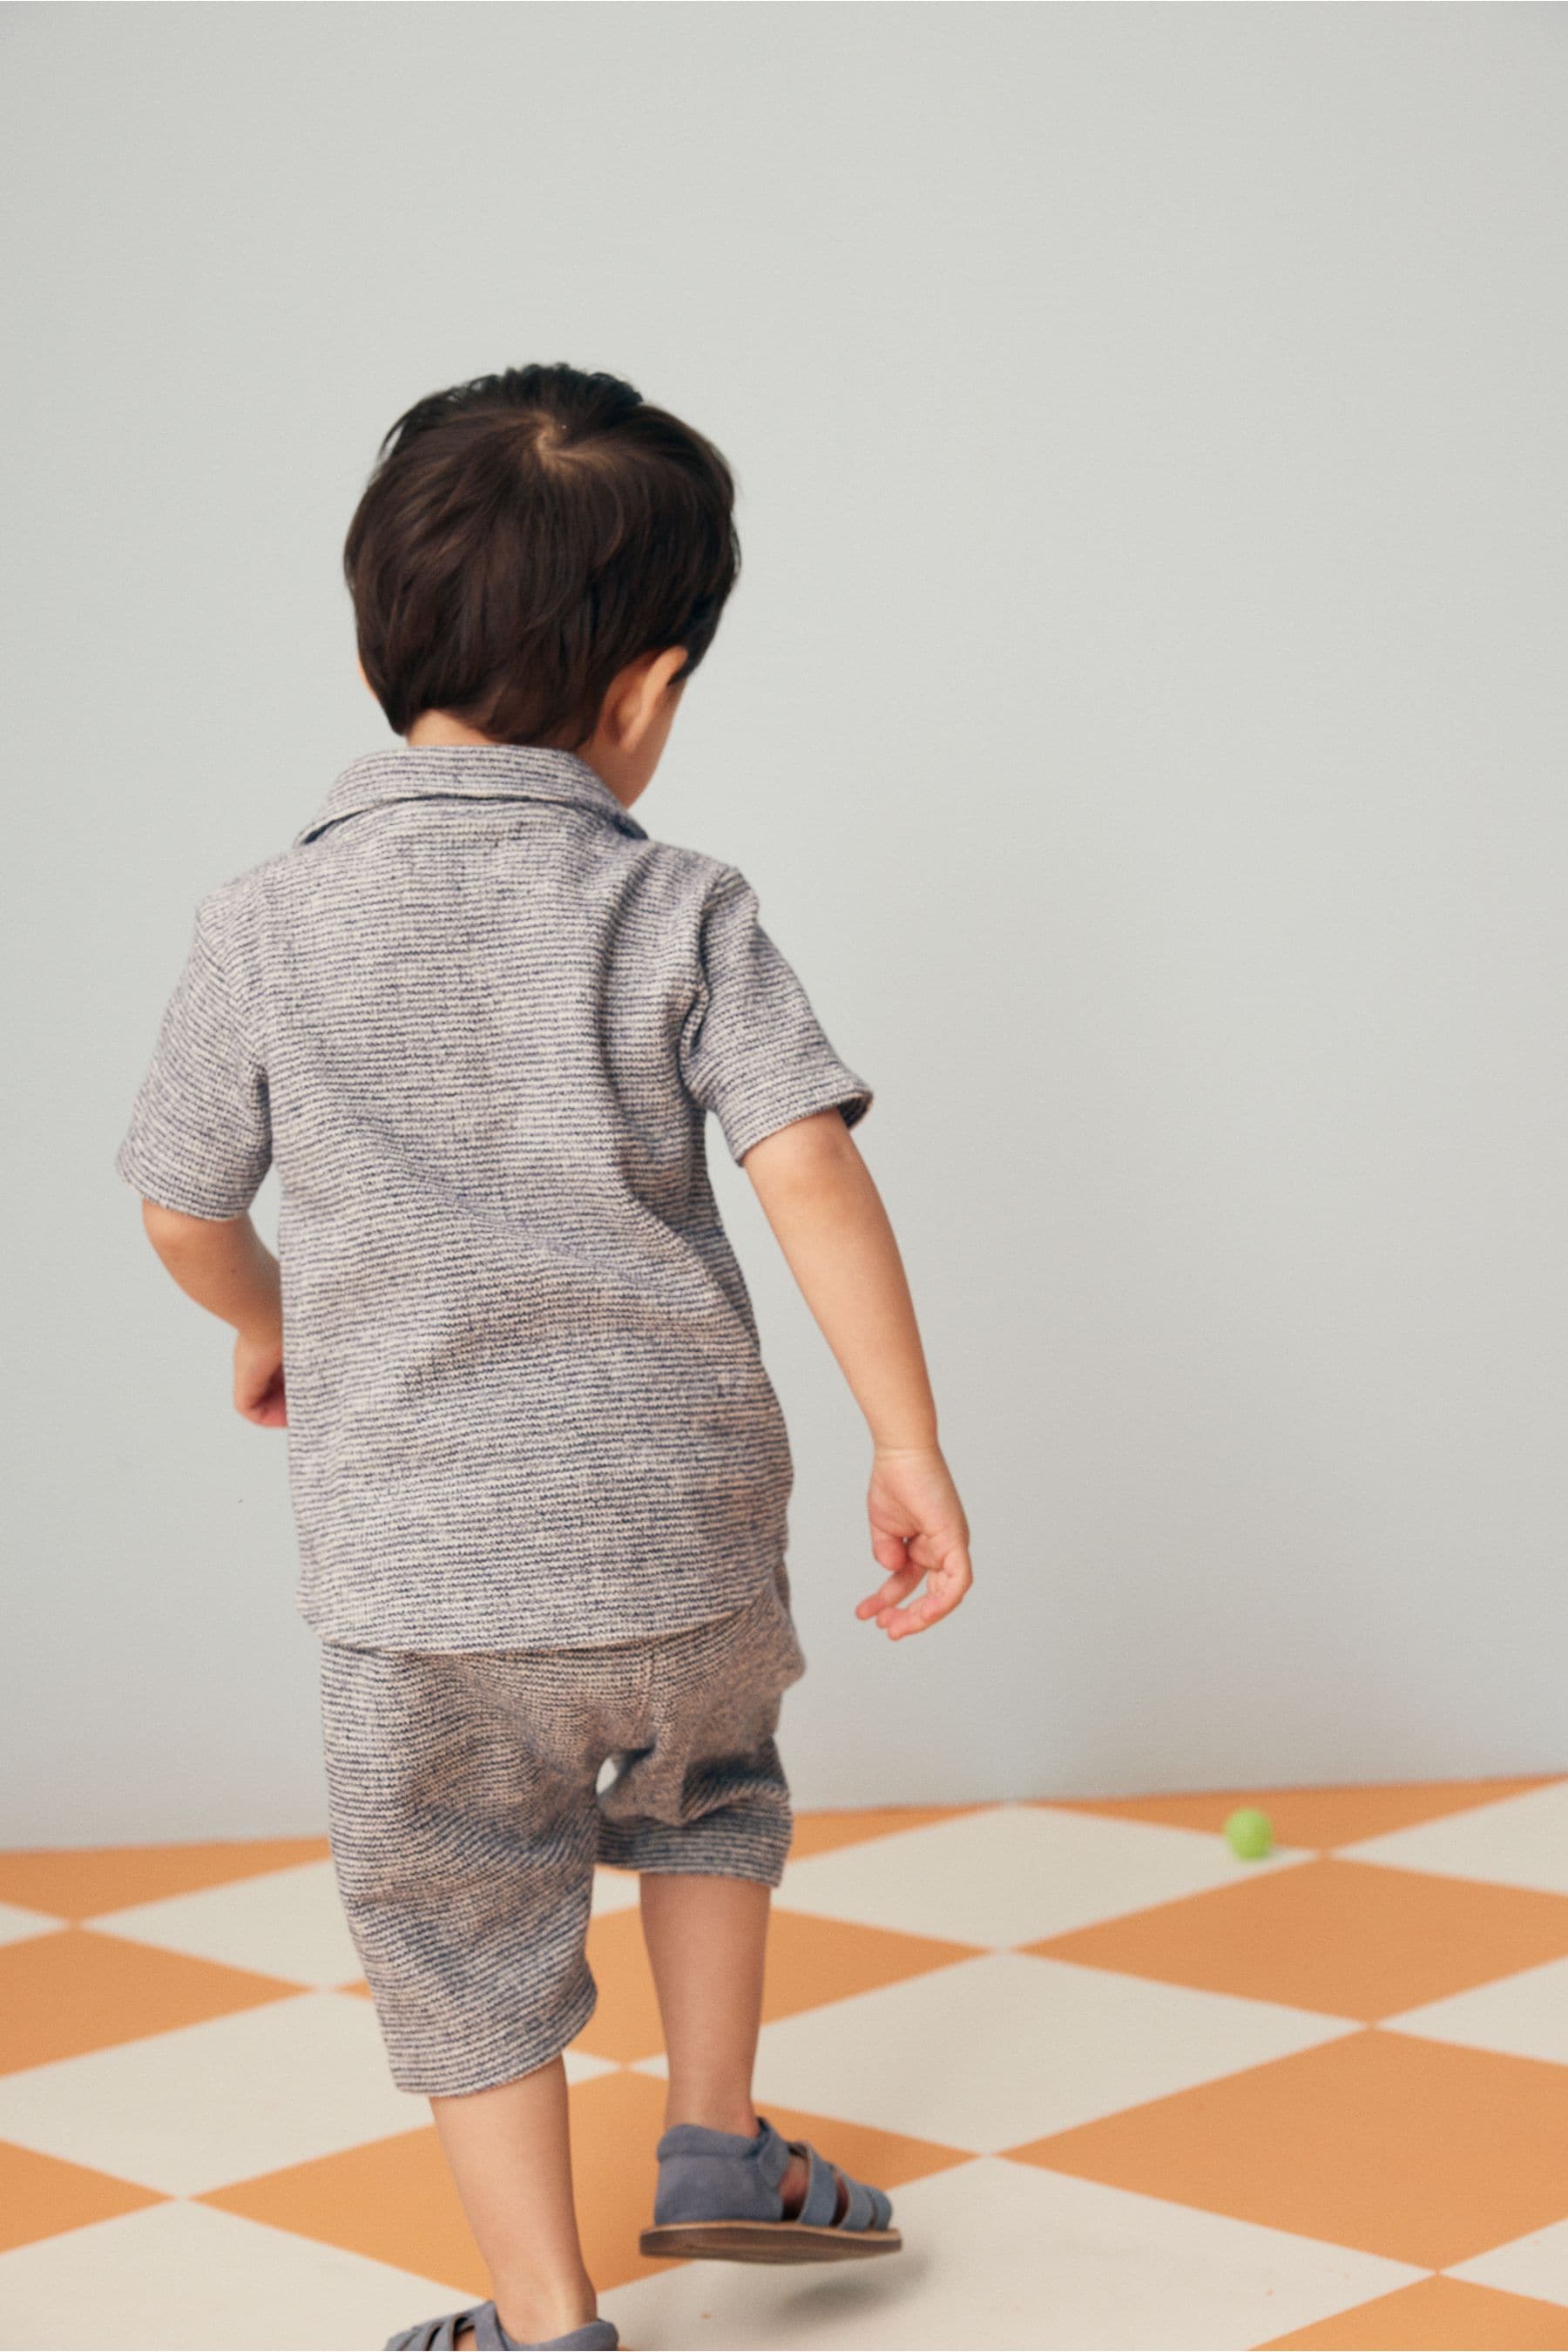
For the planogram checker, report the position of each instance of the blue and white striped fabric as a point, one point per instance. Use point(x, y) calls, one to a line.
point(476, 1018)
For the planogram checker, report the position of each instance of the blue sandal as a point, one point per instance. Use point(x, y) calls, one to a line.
point(719, 2200)
point(441, 2335)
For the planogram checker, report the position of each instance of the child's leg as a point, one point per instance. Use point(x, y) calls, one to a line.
point(464, 1829)
point(707, 1940)
point(509, 2153)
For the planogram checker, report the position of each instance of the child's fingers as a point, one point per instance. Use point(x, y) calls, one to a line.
point(897, 1587)
point(897, 1611)
point(894, 1587)
point(945, 1589)
point(258, 1395)
point(259, 1386)
point(917, 1616)
point(889, 1550)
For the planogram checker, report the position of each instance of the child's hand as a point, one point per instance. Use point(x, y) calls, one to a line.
point(258, 1377)
point(917, 1530)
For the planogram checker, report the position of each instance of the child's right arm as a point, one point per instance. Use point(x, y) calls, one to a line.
point(827, 1215)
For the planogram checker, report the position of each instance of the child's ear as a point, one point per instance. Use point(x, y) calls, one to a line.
point(363, 679)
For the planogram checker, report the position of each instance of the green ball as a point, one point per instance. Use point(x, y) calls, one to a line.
point(1250, 1833)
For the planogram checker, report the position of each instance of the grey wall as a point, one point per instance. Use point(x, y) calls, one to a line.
point(1142, 715)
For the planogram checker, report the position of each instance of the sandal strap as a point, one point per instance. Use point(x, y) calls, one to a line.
point(707, 2175)
point(860, 2213)
point(440, 2335)
point(864, 2208)
point(820, 2203)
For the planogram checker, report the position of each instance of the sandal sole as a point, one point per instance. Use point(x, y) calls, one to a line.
point(765, 2242)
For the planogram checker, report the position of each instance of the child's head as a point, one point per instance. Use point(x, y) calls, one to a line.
point(529, 541)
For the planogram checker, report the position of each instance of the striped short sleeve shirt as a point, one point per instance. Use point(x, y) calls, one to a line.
point(476, 1018)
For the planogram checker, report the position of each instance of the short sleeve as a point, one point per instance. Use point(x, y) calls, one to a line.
point(200, 1138)
point(752, 1049)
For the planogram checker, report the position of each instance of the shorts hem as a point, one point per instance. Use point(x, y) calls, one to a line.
point(717, 1845)
point(460, 2076)
point(770, 1877)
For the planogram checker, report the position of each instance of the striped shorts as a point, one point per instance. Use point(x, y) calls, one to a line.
point(466, 1818)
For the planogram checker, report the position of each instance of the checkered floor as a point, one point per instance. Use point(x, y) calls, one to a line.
point(1127, 2091)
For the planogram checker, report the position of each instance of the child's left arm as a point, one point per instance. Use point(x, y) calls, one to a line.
point(225, 1266)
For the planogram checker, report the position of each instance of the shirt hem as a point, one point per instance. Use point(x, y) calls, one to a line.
point(852, 1102)
point(152, 1188)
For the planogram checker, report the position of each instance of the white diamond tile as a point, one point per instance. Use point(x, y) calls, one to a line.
point(1014, 1873)
point(186, 2278)
point(216, 2102)
point(225, 2099)
point(991, 2053)
point(1537, 2266)
point(1002, 2256)
point(284, 1923)
point(1518, 1842)
point(614, 1890)
point(1524, 2016)
point(18, 1926)
point(287, 1923)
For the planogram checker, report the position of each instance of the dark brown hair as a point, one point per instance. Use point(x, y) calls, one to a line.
point(523, 537)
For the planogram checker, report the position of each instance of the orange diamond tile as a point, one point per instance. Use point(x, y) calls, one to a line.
point(617, 2120)
point(73, 1990)
point(1419, 2151)
point(395, 2200)
point(810, 1961)
point(821, 1833)
point(1345, 1937)
point(391, 2199)
point(1437, 2315)
point(813, 1960)
point(79, 1884)
point(1318, 1818)
point(625, 2024)
point(40, 2197)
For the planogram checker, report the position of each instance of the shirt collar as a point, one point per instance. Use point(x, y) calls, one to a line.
point(509, 771)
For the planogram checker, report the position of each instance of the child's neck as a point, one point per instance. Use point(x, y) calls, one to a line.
point(440, 726)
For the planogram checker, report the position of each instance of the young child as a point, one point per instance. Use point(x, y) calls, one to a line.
point(477, 1016)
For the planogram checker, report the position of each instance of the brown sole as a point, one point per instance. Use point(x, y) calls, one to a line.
point(765, 2242)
